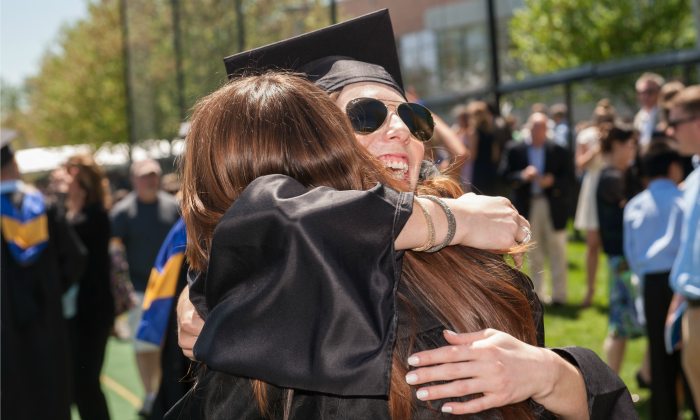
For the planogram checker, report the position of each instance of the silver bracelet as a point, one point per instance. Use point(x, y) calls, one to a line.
point(451, 223)
point(431, 228)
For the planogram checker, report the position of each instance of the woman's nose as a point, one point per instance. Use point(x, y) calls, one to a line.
point(396, 130)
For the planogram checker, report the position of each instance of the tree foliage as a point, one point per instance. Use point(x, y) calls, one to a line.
point(11, 110)
point(552, 35)
point(78, 95)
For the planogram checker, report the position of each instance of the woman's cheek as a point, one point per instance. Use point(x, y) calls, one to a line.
point(366, 141)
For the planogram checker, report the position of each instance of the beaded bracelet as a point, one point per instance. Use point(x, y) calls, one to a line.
point(451, 223)
point(431, 228)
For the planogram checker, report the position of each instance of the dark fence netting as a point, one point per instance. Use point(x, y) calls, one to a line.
point(207, 31)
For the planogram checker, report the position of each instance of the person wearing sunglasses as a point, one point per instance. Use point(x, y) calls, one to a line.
point(647, 87)
point(365, 83)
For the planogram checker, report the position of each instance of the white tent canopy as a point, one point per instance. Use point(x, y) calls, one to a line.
point(42, 159)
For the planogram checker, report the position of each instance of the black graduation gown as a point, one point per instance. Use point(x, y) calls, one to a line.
point(35, 364)
point(321, 267)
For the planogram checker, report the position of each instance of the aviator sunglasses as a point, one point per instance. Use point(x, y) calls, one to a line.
point(367, 115)
point(675, 123)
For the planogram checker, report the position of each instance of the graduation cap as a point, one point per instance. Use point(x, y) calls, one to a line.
point(358, 50)
point(6, 153)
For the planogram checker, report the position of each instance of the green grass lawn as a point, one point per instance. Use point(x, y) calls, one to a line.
point(564, 326)
point(571, 326)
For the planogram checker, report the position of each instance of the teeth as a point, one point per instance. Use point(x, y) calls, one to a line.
point(397, 165)
point(400, 168)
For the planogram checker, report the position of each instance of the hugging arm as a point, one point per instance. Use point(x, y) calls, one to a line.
point(505, 370)
point(571, 382)
point(482, 222)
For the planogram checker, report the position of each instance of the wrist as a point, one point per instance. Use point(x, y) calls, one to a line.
point(461, 213)
point(549, 375)
point(563, 391)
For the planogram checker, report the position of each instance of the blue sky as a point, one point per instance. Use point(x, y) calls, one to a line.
point(27, 28)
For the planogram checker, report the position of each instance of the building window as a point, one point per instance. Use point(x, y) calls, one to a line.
point(419, 61)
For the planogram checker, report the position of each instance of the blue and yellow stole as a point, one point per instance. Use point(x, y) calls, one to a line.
point(25, 230)
point(162, 283)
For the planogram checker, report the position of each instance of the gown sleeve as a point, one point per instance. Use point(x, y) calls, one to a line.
point(608, 397)
point(301, 287)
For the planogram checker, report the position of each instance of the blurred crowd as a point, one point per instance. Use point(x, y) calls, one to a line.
point(123, 233)
point(619, 178)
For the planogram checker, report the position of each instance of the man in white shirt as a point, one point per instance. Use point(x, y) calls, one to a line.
point(645, 121)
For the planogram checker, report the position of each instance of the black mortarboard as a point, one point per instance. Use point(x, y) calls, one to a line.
point(358, 50)
point(6, 153)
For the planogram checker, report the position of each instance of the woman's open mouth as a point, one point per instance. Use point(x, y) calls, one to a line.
point(398, 165)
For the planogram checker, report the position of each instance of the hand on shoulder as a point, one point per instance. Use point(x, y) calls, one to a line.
point(504, 369)
point(189, 324)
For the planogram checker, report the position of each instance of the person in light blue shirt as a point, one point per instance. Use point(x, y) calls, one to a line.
point(652, 236)
point(653, 218)
point(684, 125)
point(685, 277)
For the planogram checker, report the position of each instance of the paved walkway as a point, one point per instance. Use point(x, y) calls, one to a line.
point(120, 382)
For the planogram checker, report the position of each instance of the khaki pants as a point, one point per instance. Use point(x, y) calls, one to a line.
point(554, 242)
point(690, 353)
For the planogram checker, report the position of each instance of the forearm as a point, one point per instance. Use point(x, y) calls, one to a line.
point(450, 139)
point(584, 156)
point(415, 232)
point(584, 159)
point(566, 395)
point(481, 222)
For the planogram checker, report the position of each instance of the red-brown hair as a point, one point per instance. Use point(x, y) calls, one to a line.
point(92, 179)
point(277, 123)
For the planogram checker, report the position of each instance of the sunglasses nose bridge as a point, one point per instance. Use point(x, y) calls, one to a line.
point(395, 127)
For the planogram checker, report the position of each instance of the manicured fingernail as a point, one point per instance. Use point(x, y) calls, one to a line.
point(422, 394)
point(413, 360)
point(451, 332)
point(446, 409)
point(411, 378)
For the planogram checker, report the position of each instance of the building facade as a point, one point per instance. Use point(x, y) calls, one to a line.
point(444, 44)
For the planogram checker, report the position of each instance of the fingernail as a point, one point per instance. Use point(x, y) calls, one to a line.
point(411, 378)
point(422, 394)
point(446, 409)
point(451, 332)
point(413, 360)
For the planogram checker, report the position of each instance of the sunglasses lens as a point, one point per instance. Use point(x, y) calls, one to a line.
point(366, 115)
point(418, 119)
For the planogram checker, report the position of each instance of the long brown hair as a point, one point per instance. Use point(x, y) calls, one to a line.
point(277, 123)
point(91, 178)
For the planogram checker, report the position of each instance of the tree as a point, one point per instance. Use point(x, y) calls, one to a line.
point(11, 111)
point(552, 35)
point(78, 95)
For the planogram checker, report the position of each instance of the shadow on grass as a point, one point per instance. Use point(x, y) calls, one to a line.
point(573, 265)
point(573, 311)
point(642, 407)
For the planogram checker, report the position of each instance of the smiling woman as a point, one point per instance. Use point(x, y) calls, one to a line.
point(358, 224)
point(396, 143)
point(296, 148)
